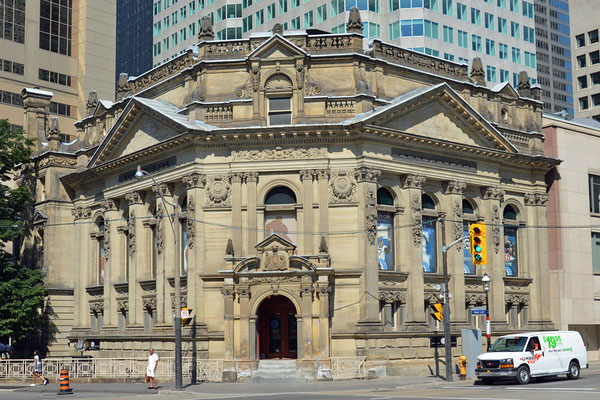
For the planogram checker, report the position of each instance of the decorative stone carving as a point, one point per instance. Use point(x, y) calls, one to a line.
point(123, 86)
point(236, 177)
point(218, 191)
point(228, 291)
point(131, 232)
point(354, 24)
point(106, 239)
point(190, 222)
point(80, 212)
point(229, 250)
point(367, 174)
point(299, 74)
point(275, 260)
point(164, 71)
point(361, 86)
point(517, 299)
point(524, 87)
point(251, 177)
point(218, 113)
point(306, 175)
point(473, 299)
point(279, 82)
point(417, 228)
point(371, 229)
point(454, 187)
point(371, 201)
point(57, 161)
point(390, 296)
point(323, 249)
point(166, 189)
point(159, 229)
point(194, 180)
point(322, 174)
point(496, 228)
point(206, 29)
point(311, 88)
point(277, 29)
point(457, 210)
point(323, 290)
point(255, 77)
point(477, 71)
point(340, 108)
point(342, 188)
point(92, 102)
point(536, 199)
point(108, 205)
point(149, 303)
point(133, 197)
point(492, 192)
point(198, 94)
point(414, 181)
point(97, 307)
point(532, 126)
point(123, 305)
point(279, 153)
point(306, 291)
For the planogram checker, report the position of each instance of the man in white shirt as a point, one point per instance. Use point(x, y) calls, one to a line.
point(151, 369)
point(37, 368)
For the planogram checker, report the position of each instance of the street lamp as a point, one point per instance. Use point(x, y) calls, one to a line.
point(486, 288)
point(139, 174)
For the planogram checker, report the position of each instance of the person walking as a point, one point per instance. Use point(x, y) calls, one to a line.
point(151, 369)
point(37, 368)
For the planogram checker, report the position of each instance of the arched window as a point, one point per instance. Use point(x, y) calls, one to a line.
point(101, 258)
point(184, 235)
point(468, 218)
point(280, 213)
point(278, 90)
point(511, 261)
point(385, 229)
point(429, 234)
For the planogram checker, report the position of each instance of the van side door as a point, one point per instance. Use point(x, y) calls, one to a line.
point(538, 359)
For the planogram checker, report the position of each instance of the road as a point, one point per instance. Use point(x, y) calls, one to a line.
point(587, 387)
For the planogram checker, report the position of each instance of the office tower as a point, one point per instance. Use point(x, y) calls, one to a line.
point(586, 58)
point(66, 47)
point(500, 32)
point(554, 54)
point(134, 30)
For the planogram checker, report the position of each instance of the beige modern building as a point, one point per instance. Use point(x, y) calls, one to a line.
point(586, 59)
point(64, 47)
point(575, 252)
point(315, 184)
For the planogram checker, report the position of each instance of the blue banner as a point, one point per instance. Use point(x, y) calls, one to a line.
point(385, 241)
point(429, 259)
point(510, 251)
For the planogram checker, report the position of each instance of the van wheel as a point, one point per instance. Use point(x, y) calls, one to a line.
point(523, 376)
point(573, 370)
point(487, 381)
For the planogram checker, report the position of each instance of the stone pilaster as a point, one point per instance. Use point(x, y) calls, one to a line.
point(82, 217)
point(244, 327)
point(194, 183)
point(369, 292)
point(165, 264)
point(307, 240)
point(228, 297)
point(323, 291)
point(323, 178)
point(236, 212)
point(413, 242)
point(306, 293)
point(113, 257)
point(454, 230)
point(251, 181)
point(492, 211)
point(139, 256)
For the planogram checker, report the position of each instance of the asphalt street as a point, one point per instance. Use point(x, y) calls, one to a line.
point(587, 387)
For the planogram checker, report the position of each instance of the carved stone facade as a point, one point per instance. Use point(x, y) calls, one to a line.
point(292, 215)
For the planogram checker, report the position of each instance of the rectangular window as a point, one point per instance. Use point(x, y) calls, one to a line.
point(582, 81)
point(393, 5)
point(374, 6)
point(385, 241)
point(429, 244)
point(54, 77)
point(504, 75)
point(595, 78)
point(581, 61)
point(514, 30)
point(491, 74)
point(529, 34)
point(528, 9)
point(584, 105)
point(192, 8)
point(374, 30)
point(490, 47)
point(530, 60)
point(449, 57)
point(594, 193)
point(461, 11)
point(259, 17)
point(16, 68)
point(475, 16)
point(394, 30)
point(280, 110)
point(432, 29)
point(501, 3)
point(463, 40)
point(65, 109)
point(431, 5)
point(516, 55)
point(55, 24)
point(595, 252)
point(270, 11)
point(296, 23)
point(341, 28)
point(308, 19)
point(283, 6)
point(503, 51)
point(514, 6)
point(593, 36)
point(596, 100)
point(182, 13)
point(510, 251)
point(321, 13)
point(246, 3)
point(13, 99)
point(447, 8)
point(247, 24)
point(594, 57)
point(448, 34)
point(489, 21)
point(337, 7)
point(476, 43)
point(502, 25)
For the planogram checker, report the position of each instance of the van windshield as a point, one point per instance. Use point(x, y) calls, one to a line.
point(509, 344)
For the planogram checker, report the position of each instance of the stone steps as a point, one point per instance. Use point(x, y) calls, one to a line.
point(277, 371)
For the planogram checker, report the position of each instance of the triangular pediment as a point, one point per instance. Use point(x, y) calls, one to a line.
point(440, 113)
point(40, 218)
point(505, 89)
point(275, 241)
point(277, 47)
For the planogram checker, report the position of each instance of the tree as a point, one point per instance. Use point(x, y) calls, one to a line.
point(21, 286)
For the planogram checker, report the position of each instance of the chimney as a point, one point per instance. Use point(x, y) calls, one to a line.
point(36, 104)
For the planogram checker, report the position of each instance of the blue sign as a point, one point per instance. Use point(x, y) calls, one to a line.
point(478, 311)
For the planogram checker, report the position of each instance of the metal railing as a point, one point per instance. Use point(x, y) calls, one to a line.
point(116, 368)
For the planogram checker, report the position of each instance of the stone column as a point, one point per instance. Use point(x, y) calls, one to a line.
point(251, 181)
point(228, 296)
point(236, 211)
point(323, 178)
point(412, 245)
point(454, 231)
point(369, 279)
point(165, 266)
point(113, 256)
point(139, 254)
point(323, 290)
point(81, 314)
point(244, 331)
point(194, 183)
point(492, 199)
point(306, 176)
point(306, 292)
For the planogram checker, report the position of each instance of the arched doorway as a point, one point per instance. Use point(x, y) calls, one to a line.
point(277, 328)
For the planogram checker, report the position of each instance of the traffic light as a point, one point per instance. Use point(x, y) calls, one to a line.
point(478, 244)
point(438, 311)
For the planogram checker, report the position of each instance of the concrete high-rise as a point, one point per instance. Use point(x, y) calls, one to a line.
point(65, 47)
point(500, 32)
point(134, 27)
point(586, 59)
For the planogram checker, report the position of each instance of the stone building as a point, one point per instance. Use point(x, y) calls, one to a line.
point(313, 181)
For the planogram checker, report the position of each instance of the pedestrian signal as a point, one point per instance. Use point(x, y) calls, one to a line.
point(185, 315)
point(438, 311)
point(478, 244)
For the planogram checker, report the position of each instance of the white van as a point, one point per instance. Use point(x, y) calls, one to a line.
point(533, 354)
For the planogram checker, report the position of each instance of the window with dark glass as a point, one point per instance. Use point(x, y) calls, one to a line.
point(54, 77)
point(280, 213)
point(280, 110)
point(12, 20)
point(56, 19)
point(11, 66)
point(596, 252)
point(511, 261)
point(429, 234)
point(385, 230)
point(593, 36)
point(60, 109)
point(594, 193)
point(594, 57)
point(580, 40)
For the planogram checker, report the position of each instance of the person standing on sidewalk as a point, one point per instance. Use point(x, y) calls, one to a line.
point(37, 368)
point(151, 369)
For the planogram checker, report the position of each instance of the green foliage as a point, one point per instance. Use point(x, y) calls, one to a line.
point(21, 288)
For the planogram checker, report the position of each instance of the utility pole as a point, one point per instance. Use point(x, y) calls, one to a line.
point(446, 310)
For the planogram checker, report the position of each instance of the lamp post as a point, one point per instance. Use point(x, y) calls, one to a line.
point(486, 288)
point(177, 315)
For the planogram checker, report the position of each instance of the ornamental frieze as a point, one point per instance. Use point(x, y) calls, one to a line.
point(367, 174)
point(536, 199)
point(492, 193)
point(158, 74)
point(190, 223)
point(454, 187)
point(80, 212)
point(131, 232)
point(496, 228)
point(97, 307)
point(417, 219)
point(279, 153)
point(342, 187)
point(393, 295)
point(57, 161)
point(218, 191)
point(194, 180)
point(414, 181)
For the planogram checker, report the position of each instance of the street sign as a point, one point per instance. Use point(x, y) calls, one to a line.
point(478, 311)
point(438, 341)
point(185, 313)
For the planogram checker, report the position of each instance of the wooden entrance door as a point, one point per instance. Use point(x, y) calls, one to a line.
point(277, 332)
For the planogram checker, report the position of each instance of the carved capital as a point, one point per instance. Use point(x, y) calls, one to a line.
point(166, 189)
point(109, 205)
point(228, 291)
point(323, 290)
point(371, 229)
point(149, 303)
point(194, 180)
point(492, 193)
point(306, 291)
point(134, 197)
point(80, 212)
point(243, 292)
point(367, 174)
point(306, 175)
point(251, 177)
point(391, 296)
point(413, 181)
point(322, 174)
point(123, 305)
point(236, 177)
point(454, 187)
point(97, 307)
point(536, 199)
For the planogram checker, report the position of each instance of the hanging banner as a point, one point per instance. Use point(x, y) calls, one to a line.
point(385, 241)
point(429, 261)
point(510, 251)
point(282, 223)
